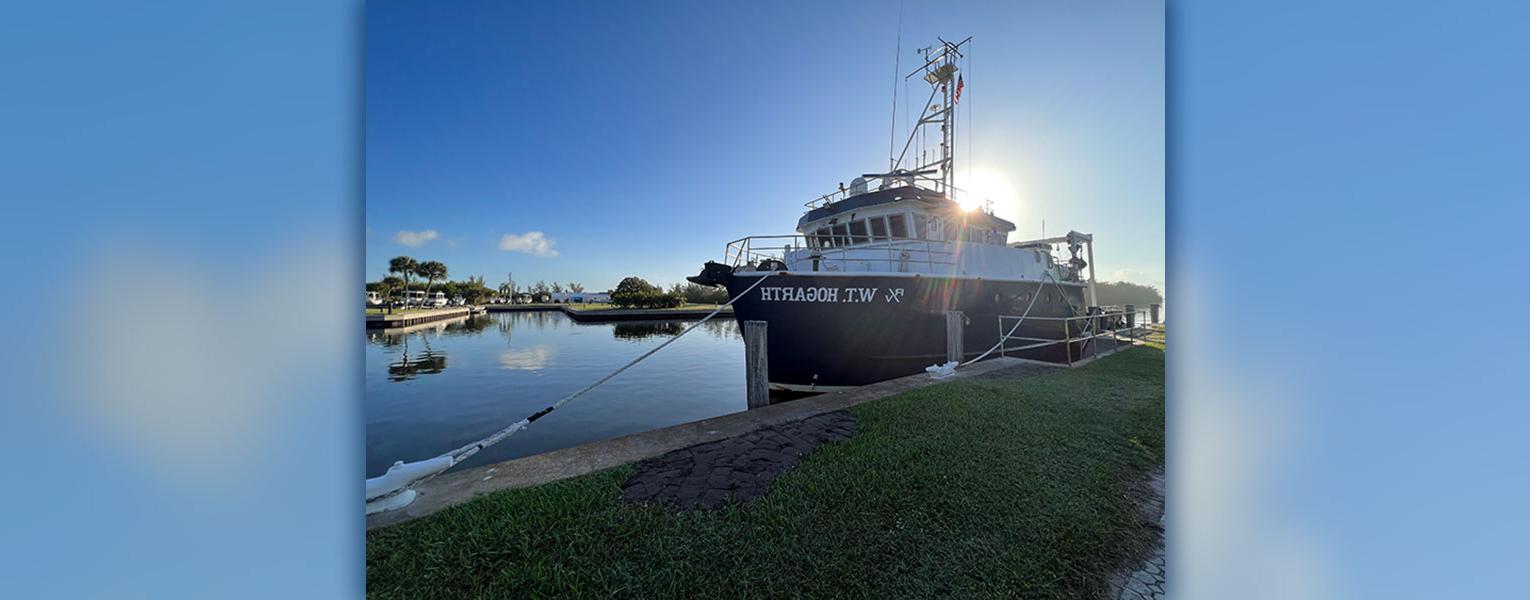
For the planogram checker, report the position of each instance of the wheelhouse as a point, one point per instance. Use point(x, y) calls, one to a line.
point(900, 213)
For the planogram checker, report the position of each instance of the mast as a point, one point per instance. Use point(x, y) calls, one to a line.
point(940, 71)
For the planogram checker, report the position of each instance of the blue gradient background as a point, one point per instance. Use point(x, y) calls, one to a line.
point(1346, 192)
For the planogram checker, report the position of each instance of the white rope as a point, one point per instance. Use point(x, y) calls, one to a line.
point(466, 452)
point(1027, 313)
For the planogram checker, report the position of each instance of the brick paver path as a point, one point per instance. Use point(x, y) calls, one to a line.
point(1147, 581)
point(707, 475)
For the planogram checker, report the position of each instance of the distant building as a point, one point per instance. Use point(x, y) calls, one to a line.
point(580, 297)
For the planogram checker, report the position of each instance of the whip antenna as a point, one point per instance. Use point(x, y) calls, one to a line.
point(892, 130)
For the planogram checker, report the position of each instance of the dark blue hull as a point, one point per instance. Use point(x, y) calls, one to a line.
point(842, 330)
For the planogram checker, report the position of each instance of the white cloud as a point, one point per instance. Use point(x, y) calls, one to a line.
point(415, 239)
point(534, 243)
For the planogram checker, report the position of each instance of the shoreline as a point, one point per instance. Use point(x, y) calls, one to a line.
point(601, 315)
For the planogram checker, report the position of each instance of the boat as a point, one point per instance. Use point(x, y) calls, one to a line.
point(862, 291)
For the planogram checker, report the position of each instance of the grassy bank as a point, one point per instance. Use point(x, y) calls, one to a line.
point(987, 486)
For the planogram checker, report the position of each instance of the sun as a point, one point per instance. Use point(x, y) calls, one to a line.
point(986, 185)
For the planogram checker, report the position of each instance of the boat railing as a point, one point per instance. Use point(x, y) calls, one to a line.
point(1089, 329)
point(897, 255)
point(871, 184)
point(844, 193)
point(827, 199)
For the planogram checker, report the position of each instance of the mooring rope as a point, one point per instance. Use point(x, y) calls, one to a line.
point(1023, 315)
point(466, 452)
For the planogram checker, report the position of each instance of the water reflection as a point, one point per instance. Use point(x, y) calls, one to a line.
point(723, 329)
point(428, 362)
point(642, 330)
point(470, 326)
point(422, 359)
point(507, 365)
point(534, 358)
point(425, 364)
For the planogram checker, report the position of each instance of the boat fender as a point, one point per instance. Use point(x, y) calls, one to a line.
point(401, 474)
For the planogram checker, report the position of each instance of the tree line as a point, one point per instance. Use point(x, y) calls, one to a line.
point(636, 292)
point(1118, 293)
point(541, 291)
point(403, 272)
point(406, 273)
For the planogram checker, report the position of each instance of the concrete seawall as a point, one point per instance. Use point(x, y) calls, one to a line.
point(406, 319)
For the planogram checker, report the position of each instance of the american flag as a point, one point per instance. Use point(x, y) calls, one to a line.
point(959, 84)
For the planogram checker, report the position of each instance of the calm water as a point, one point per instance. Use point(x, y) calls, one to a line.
point(432, 389)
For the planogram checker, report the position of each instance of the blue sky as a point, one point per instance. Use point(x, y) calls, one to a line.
point(615, 140)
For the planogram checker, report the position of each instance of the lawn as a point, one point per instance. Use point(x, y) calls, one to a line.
point(971, 487)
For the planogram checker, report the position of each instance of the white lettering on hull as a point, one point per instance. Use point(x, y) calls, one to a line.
point(828, 294)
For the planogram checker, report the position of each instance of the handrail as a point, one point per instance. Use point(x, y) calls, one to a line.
point(902, 251)
point(1087, 333)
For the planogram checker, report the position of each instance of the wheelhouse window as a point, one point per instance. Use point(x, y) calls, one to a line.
point(897, 227)
point(858, 231)
point(878, 229)
point(824, 241)
point(841, 236)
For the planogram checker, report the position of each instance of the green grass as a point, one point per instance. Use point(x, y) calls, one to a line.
point(972, 487)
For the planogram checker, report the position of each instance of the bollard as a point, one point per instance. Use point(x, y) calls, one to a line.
point(756, 364)
point(1153, 313)
point(954, 324)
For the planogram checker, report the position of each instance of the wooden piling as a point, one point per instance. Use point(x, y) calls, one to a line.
point(955, 322)
point(756, 364)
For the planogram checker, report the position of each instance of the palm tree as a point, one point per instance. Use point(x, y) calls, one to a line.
point(387, 285)
point(431, 270)
point(576, 288)
point(405, 266)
